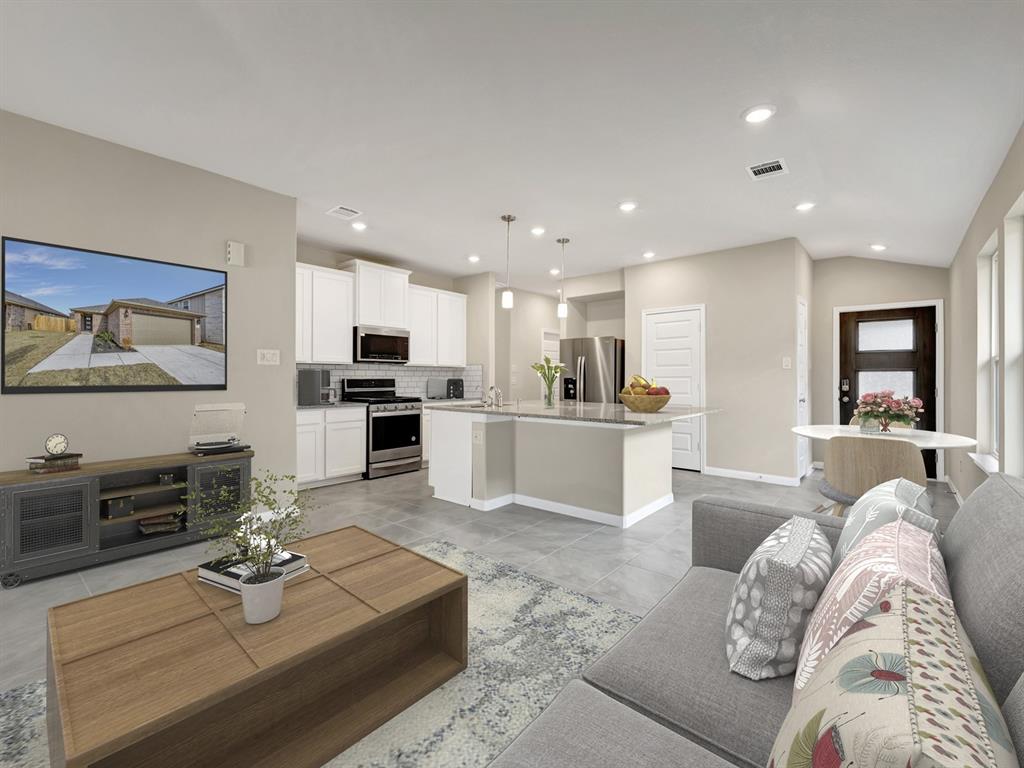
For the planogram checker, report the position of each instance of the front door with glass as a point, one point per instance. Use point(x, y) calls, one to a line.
point(889, 349)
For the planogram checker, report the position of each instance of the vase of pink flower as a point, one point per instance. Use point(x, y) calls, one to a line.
point(878, 411)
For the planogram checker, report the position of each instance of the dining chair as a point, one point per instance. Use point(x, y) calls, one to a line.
point(855, 465)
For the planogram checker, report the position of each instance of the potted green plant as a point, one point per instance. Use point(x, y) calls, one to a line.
point(548, 372)
point(251, 529)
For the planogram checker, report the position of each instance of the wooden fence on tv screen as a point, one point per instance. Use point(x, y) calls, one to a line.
point(50, 323)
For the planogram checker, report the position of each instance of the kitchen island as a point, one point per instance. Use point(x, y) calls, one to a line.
point(597, 461)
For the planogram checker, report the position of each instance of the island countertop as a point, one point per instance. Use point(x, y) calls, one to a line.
point(604, 413)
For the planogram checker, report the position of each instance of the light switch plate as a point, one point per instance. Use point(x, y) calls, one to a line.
point(235, 254)
point(268, 357)
point(787, 363)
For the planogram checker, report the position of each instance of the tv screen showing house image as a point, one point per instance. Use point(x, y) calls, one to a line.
point(76, 320)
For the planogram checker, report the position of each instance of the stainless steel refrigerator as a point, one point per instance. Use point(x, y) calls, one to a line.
point(596, 368)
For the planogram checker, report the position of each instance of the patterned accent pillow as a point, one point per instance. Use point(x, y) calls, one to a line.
point(902, 688)
point(895, 553)
point(773, 597)
point(893, 500)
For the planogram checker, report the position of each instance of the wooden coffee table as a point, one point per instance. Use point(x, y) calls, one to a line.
point(167, 673)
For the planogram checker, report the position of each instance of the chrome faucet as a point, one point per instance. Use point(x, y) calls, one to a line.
point(494, 397)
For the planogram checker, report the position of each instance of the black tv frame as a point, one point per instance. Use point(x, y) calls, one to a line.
point(5, 389)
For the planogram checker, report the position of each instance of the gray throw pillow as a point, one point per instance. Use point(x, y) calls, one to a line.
point(773, 599)
point(893, 500)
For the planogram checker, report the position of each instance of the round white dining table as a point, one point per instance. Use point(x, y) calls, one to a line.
point(922, 438)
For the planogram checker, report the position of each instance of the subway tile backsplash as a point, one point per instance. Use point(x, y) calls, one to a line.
point(410, 380)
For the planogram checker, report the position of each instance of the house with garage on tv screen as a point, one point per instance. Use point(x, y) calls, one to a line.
point(211, 305)
point(135, 322)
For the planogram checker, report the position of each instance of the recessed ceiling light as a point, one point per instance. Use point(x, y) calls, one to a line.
point(553, 271)
point(877, 247)
point(537, 231)
point(759, 114)
point(359, 226)
point(804, 207)
point(648, 254)
point(473, 258)
point(627, 207)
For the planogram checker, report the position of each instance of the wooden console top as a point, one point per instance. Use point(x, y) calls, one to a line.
point(129, 666)
point(114, 466)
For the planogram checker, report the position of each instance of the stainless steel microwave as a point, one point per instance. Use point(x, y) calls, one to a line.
point(373, 344)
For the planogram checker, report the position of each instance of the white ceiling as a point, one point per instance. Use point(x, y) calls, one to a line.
point(436, 118)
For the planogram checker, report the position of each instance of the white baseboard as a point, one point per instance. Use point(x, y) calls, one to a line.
point(486, 505)
point(738, 474)
point(329, 481)
point(956, 492)
point(593, 515)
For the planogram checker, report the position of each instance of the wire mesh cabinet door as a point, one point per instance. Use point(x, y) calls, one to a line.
point(51, 521)
point(217, 486)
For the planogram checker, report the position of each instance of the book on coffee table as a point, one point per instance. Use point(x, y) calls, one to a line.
point(227, 572)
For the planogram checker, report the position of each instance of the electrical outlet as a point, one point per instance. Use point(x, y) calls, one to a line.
point(478, 437)
point(268, 357)
point(787, 363)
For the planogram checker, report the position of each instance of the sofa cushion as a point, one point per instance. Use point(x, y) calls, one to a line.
point(902, 688)
point(773, 598)
point(984, 552)
point(1013, 713)
point(672, 667)
point(883, 504)
point(893, 554)
point(584, 728)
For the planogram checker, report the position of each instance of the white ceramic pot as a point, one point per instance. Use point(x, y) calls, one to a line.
point(262, 602)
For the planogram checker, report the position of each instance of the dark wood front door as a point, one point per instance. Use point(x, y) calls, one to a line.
point(87, 323)
point(889, 349)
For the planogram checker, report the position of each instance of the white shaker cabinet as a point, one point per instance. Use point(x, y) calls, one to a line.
point(324, 316)
point(382, 294)
point(422, 325)
point(331, 443)
point(451, 329)
point(309, 434)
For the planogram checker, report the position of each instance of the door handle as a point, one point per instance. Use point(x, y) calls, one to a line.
point(802, 400)
point(845, 399)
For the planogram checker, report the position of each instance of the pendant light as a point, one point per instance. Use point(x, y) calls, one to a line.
point(506, 295)
point(563, 308)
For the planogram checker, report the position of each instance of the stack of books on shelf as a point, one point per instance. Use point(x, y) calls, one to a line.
point(161, 523)
point(44, 465)
point(227, 572)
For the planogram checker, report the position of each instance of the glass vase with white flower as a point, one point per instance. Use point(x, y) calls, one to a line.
point(548, 372)
point(878, 411)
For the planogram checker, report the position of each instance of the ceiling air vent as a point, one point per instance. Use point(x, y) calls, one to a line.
point(341, 212)
point(767, 170)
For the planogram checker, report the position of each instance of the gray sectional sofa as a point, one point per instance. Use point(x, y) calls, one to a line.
point(664, 695)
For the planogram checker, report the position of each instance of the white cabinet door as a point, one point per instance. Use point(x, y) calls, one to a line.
point(422, 326)
point(425, 437)
point(395, 299)
point(303, 315)
point(332, 317)
point(370, 295)
point(345, 446)
point(310, 460)
point(451, 329)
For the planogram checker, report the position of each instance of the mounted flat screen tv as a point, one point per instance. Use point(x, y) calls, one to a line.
point(76, 320)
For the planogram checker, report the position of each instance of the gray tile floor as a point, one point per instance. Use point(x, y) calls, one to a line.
point(631, 568)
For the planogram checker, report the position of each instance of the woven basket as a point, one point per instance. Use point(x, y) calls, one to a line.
point(645, 403)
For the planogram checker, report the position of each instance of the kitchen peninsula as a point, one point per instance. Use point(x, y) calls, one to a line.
point(597, 461)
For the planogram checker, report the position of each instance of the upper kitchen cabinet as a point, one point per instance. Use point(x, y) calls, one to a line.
point(324, 315)
point(451, 329)
point(382, 294)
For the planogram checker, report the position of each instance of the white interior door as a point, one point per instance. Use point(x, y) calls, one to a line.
point(672, 356)
point(549, 346)
point(803, 397)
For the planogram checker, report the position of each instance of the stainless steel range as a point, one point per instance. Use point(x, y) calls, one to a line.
point(393, 426)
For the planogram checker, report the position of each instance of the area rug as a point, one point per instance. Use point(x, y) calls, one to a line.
point(527, 639)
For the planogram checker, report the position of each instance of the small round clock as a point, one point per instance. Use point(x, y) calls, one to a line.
point(57, 444)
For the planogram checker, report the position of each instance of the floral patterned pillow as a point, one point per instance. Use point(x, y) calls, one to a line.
point(902, 688)
point(893, 500)
point(895, 553)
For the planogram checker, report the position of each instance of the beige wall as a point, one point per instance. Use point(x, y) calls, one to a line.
point(480, 319)
point(750, 295)
point(63, 187)
point(853, 282)
point(307, 253)
point(961, 380)
point(606, 317)
point(517, 342)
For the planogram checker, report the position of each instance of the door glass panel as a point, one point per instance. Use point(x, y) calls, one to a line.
point(901, 382)
point(885, 335)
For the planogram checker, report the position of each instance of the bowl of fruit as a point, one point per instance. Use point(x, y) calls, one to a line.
point(643, 396)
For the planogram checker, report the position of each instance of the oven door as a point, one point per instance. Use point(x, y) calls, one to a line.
point(394, 435)
point(381, 345)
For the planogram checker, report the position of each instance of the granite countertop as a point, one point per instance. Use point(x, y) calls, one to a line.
point(605, 413)
point(329, 405)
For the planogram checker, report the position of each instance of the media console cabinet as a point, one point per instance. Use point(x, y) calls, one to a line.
point(53, 523)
